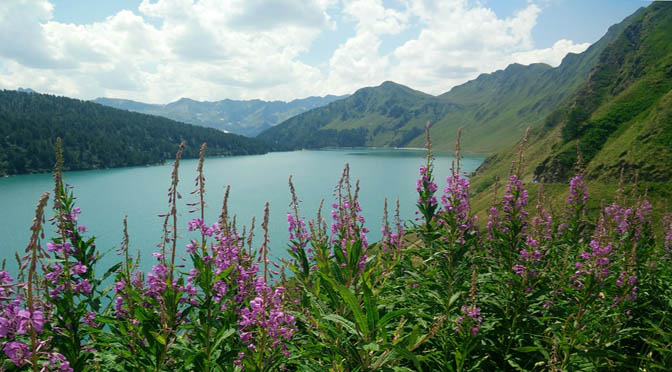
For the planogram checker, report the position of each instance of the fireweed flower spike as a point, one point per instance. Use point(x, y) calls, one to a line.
point(348, 234)
point(667, 240)
point(511, 225)
point(455, 218)
point(33, 318)
point(299, 237)
point(469, 322)
point(426, 188)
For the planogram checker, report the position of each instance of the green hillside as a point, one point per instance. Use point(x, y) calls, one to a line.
point(494, 109)
point(96, 136)
point(620, 118)
point(388, 115)
point(248, 118)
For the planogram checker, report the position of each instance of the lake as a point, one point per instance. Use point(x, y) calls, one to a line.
point(105, 196)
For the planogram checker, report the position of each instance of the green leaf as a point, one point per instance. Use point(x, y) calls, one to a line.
point(110, 271)
point(515, 365)
point(352, 302)
point(372, 347)
point(409, 356)
point(527, 349)
point(371, 309)
point(159, 338)
point(224, 273)
point(391, 315)
point(453, 298)
point(223, 335)
point(348, 325)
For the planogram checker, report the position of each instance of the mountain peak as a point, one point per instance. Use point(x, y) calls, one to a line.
point(389, 83)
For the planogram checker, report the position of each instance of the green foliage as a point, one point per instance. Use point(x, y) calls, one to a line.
point(95, 136)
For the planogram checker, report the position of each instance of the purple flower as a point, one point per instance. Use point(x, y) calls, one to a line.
point(520, 270)
point(195, 224)
point(578, 192)
point(78, 269)
point(455, 200)
point(470, 320)
point(57, 360)
point(17, 352)
point(119, 286)
point(265, 315)
point(83, 287)
point(5, 277)
point(667, 230)
point(90, 319)
point(4, 326)
point(55, 274)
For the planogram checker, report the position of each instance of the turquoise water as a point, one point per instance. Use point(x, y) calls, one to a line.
point(105, 196)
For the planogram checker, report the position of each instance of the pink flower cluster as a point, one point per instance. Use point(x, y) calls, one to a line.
point(16, 322)
point(470, 320)
point(265, 323)
point(455, 201)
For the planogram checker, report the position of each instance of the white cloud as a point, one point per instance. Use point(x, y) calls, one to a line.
point(22, 34)
point(459, 42)
point(553, 55)
point(243, 49)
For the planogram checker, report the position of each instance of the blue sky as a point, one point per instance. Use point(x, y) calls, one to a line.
point(160, 50)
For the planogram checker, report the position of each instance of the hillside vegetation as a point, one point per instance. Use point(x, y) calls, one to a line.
point(493, 109)
point(620, 118)
point(248, 118)
point(95, 136)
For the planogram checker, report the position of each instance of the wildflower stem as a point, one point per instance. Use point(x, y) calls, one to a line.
point(33, 247)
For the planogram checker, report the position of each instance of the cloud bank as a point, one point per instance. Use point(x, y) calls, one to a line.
point(244, 49)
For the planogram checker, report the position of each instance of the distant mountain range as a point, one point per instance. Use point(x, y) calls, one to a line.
point(494, 109)
point(248, 118)
point(97, 136)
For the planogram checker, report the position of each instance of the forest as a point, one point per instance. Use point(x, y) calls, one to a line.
point(95, 136)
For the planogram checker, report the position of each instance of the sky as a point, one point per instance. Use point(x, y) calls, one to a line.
point(158, 51)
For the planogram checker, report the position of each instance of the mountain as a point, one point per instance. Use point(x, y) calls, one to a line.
point(25, 90)
point(619, 118)
point(248, 118)
point(494, 109)
point(97, 136)
point(388, 115)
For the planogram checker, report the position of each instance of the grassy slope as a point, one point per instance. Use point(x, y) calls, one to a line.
point(631, 114)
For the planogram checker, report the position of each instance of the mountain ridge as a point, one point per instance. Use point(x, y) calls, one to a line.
point(245, 117)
